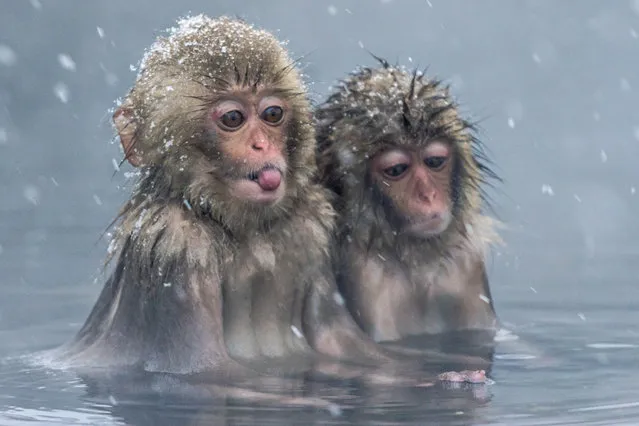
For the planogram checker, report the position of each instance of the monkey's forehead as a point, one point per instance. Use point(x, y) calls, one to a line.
point(222, 42)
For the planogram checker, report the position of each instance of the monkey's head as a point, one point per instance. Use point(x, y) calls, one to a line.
point(218, 117)
point(392, 144)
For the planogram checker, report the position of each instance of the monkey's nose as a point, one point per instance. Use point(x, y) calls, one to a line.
point(426, 194)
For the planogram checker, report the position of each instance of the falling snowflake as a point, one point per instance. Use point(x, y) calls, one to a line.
point(297, 332)
point(547, 189)
point(100, 32)
point(32, 194)
point(62, 92)
point(66, 62)
point(7, 55)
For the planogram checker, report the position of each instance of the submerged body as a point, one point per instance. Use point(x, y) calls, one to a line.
point(406, 172)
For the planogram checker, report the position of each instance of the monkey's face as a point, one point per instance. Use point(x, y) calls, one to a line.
point(418, 184)
point(250, 130)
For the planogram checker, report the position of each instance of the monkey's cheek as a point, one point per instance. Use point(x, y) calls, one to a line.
point(250, 191)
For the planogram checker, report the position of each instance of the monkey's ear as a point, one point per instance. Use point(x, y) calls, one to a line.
point(125, 124)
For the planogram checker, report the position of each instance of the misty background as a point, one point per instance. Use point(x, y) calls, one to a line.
point(553, 84)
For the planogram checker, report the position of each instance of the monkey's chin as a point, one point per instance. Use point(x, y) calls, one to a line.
point(250, 191)
point(429, 227)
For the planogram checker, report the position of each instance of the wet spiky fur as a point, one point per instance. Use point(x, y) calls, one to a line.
point(376, 106)
point(181, 76)
point(200, 276)
point(397, 284)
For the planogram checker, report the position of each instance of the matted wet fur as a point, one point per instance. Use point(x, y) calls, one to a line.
point(397, 284)
point(202, 278)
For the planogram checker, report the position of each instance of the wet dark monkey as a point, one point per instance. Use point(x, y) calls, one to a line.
point(407, 171)
point(223, 253)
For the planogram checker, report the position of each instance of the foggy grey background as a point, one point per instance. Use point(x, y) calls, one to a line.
point(553, 83)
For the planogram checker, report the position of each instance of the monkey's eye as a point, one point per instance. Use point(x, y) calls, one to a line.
point(273, 114)
point(232, 120)
point(396, 171)
point(435, 163)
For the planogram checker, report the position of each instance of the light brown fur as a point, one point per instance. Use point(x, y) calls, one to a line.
point(398, 284)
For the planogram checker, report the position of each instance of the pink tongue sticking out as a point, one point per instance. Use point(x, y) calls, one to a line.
point(269, 179)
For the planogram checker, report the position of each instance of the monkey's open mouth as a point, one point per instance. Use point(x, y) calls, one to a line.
point(268, 178)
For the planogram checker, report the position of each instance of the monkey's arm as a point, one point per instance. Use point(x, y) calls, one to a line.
point(159, 309)
point(331, 330)
point(476, 309)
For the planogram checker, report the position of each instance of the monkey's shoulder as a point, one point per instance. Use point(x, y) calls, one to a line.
point(158, 233)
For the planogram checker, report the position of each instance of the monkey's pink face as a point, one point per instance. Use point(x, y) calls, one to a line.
point(251, 133)
point(418, 182)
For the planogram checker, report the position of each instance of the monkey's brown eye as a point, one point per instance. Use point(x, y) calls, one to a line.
point(396, 171)
point(435, 163)
point(273, 114)
point(232, 119)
